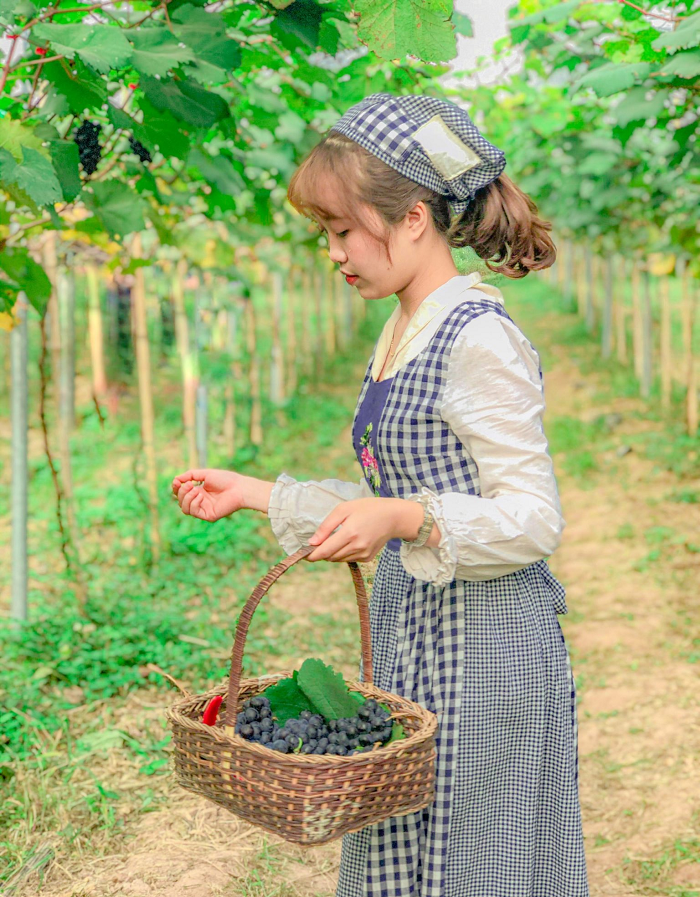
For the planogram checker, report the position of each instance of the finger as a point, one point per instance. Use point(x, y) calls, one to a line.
point(334, 519)
point(196, 509)
point(333, 544)
point(183, 490)
point(198, 474)
point(187, 500)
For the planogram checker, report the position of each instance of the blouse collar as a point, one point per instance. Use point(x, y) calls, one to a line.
point(446, 296)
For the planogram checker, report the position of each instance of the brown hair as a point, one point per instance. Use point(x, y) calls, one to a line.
point(501, 225)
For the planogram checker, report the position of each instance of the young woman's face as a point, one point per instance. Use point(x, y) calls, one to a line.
point(355, 251)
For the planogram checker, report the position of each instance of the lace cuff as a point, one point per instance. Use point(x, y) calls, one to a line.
point(297, 508)
point(436, 565)
point(281, 517)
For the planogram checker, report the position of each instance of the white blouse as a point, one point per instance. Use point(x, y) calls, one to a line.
point(494, 401)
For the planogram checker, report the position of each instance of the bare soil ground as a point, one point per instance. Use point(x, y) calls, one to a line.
point(631, 565)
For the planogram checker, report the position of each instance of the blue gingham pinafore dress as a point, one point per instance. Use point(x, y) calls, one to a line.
point(487, 657)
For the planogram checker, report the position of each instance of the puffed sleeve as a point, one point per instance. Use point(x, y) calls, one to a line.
point(494, 402)
point(297, 508)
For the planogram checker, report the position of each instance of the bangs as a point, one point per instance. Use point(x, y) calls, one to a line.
point(325, 186)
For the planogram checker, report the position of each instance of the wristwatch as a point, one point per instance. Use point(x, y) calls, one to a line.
point(427, 525)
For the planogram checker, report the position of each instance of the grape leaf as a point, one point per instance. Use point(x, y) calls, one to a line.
point(686, 35)
point(392, 29)
point(205, 33)
point(37, 178)
point(685, 65)
point(117, 206)
point(29, 276)
point(463, 24)
point(397, 733)
point(612, 77)
point(102, 47)
point(326, 689)
point(156, 51)
point(65, 158)
point(287, 700)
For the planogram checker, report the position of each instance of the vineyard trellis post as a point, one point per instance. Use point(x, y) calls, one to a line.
point(277, 385)
point(187, 364)
point(143, 362)
point(307, 287)
point(50, 265)
point(591, 271)
point(292, 354)
point(637, 340)
point(256, 434)
point(19, 469)
point(666, 358)
point(95, 328)
point(319, 359)
point(689, 301)
point(621, 309)
point(646, 334)
point(607, 316)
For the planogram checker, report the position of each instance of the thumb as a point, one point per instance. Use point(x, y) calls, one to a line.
point(334, 519)
point(196, 474)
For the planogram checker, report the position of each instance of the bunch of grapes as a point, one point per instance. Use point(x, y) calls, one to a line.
point(140, 150)
point(310, 733)
point(89, 148)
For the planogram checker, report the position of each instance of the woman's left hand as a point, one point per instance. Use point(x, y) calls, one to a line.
point(366, 525)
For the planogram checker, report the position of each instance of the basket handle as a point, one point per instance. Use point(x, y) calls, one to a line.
point(247, 613)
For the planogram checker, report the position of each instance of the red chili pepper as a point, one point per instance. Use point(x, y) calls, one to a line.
point(41, 51)
point(211, 711)
point(132, 86)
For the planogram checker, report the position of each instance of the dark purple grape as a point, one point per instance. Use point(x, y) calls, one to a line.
point(259, 701)
point(280, 746)
point(247, 730)
point(140, 150)
point(251, 714)
point(89, 149)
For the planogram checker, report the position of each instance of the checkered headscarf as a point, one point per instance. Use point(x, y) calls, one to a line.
point(428, 140)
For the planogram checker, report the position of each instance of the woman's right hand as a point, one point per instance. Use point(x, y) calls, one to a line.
point(209, 494)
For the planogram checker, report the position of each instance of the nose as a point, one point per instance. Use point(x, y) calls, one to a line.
point(335, 251)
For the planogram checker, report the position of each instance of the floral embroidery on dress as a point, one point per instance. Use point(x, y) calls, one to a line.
point(369, 462)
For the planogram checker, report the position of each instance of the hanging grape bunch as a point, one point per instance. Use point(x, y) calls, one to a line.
point(89, 147)
point(310, 733)
point(140, 150)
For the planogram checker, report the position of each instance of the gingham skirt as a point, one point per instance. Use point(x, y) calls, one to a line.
point(489, 659)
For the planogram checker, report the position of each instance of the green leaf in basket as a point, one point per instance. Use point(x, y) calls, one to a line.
point(326, 689)
point(397, 733)
point(287, 700)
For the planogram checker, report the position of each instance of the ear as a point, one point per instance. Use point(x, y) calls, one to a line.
point(417, 220)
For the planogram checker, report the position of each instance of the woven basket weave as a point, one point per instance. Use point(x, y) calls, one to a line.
point(304, 798)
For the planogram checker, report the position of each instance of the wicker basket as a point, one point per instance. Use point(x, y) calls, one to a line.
point(304, 798)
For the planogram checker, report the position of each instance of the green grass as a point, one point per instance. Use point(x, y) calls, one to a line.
point(651, 875)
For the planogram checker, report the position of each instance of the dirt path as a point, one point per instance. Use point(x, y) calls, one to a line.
point(630, 560)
